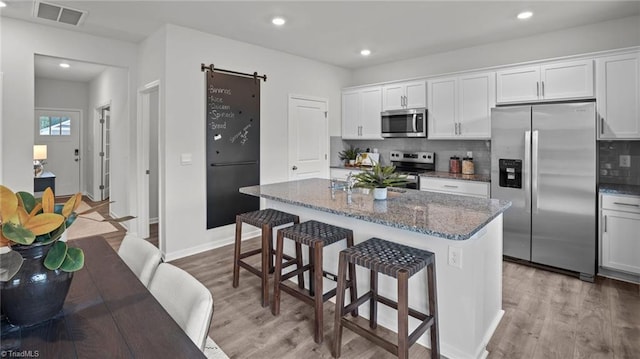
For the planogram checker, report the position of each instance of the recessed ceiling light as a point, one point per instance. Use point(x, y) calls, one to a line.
point(3, 4)
point(365, 52)
point(525, 15)
point(278, 21)
point(65, 65)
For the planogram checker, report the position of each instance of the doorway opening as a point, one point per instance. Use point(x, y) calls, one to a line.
point(150, 210)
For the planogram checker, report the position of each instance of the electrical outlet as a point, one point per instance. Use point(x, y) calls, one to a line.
point(625, 161)
point(455, 257)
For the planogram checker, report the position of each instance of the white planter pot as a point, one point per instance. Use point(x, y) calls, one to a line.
point(380, 193)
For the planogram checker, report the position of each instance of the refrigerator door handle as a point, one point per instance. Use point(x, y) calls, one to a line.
point(534, 171)
point(527, 169)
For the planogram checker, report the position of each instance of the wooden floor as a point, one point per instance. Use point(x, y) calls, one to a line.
point(547, 315)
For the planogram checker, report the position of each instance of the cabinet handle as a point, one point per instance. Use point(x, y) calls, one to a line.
point(602, 125)
point(449, 186)
point(460, 128)
point(537, 89)
point(455, 128)
point(542, 88)
point(605, 224)
point(627, 204)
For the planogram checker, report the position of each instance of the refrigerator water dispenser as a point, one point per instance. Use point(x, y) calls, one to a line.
point(510, 173)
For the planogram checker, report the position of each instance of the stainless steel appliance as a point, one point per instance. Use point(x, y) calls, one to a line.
point(412, 164)
point(543, 159)
point(404, 123)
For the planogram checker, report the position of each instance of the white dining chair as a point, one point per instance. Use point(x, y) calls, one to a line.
point(187, 300)
point(141, 256)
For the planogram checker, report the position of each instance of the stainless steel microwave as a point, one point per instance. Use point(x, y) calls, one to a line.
point(404, 123)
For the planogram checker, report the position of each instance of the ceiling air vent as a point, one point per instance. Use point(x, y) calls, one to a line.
point(58, 13)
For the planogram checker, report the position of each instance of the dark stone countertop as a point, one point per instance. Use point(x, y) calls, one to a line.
point(612, 188)
point(457, 176)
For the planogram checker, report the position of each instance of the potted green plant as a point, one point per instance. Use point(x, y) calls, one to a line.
point(379, 178)
point(349, 155)
point(37, 265)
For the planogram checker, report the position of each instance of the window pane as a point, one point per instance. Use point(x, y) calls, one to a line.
point(45, 124)
point(55, 126)
point(65, 126)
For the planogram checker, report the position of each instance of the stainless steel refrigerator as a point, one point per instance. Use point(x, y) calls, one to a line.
point(543, 159)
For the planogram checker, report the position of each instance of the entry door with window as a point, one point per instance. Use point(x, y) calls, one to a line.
point(60, 131)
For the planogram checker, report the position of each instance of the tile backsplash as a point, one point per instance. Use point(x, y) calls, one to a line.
point(609, 152)
point(442, 148)
point(609, 167)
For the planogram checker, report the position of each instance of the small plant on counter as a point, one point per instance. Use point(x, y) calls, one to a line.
point(350, 154)
point(380, 177)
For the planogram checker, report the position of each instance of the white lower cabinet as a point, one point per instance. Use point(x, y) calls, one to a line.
point(620, 233)
point(453, 186)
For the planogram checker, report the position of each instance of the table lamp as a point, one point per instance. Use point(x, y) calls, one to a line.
point(39, 155)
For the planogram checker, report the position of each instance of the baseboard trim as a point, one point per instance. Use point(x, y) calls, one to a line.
point(219, 242)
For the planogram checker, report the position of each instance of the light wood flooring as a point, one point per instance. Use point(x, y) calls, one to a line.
point(547, 315)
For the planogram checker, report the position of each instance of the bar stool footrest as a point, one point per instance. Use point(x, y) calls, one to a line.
point(370, 335)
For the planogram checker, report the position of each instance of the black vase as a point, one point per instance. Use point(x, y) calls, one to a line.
point(35, 294)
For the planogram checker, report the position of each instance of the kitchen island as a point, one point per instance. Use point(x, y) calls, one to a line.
point(465, 233)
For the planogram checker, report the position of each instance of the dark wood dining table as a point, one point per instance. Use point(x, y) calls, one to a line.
point(108, 313)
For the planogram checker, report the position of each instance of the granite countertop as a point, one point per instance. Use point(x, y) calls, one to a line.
point(441, 215)
point(457, 176)
point(612, 188)
point(435, 174)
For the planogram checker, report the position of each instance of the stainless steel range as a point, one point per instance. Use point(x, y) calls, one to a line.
point(412, 164)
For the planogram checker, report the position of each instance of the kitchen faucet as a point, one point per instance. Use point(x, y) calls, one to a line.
point(349, 187)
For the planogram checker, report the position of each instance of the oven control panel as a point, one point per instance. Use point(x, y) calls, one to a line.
point(417, 157)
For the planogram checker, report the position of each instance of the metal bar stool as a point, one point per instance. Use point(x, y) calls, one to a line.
point(265, 219)
point(400, 262)
point(317, 236)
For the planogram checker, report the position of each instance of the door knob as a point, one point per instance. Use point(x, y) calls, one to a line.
point(294, 168)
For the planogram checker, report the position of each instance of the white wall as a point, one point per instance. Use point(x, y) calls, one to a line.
point(20, 42)
point(590, 38)
point(110, 88)
point(184, 123)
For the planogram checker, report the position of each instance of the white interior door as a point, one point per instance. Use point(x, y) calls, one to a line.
point(60, 131)
point(105, 152)
point(308, 138)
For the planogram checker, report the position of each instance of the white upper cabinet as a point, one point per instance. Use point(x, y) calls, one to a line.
point(460, 107)
point(361, 113)
point(441, 108)
point(618, 96)
point(552, 81)
point(477, 95)
point(401, 95)
point(518, 85)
